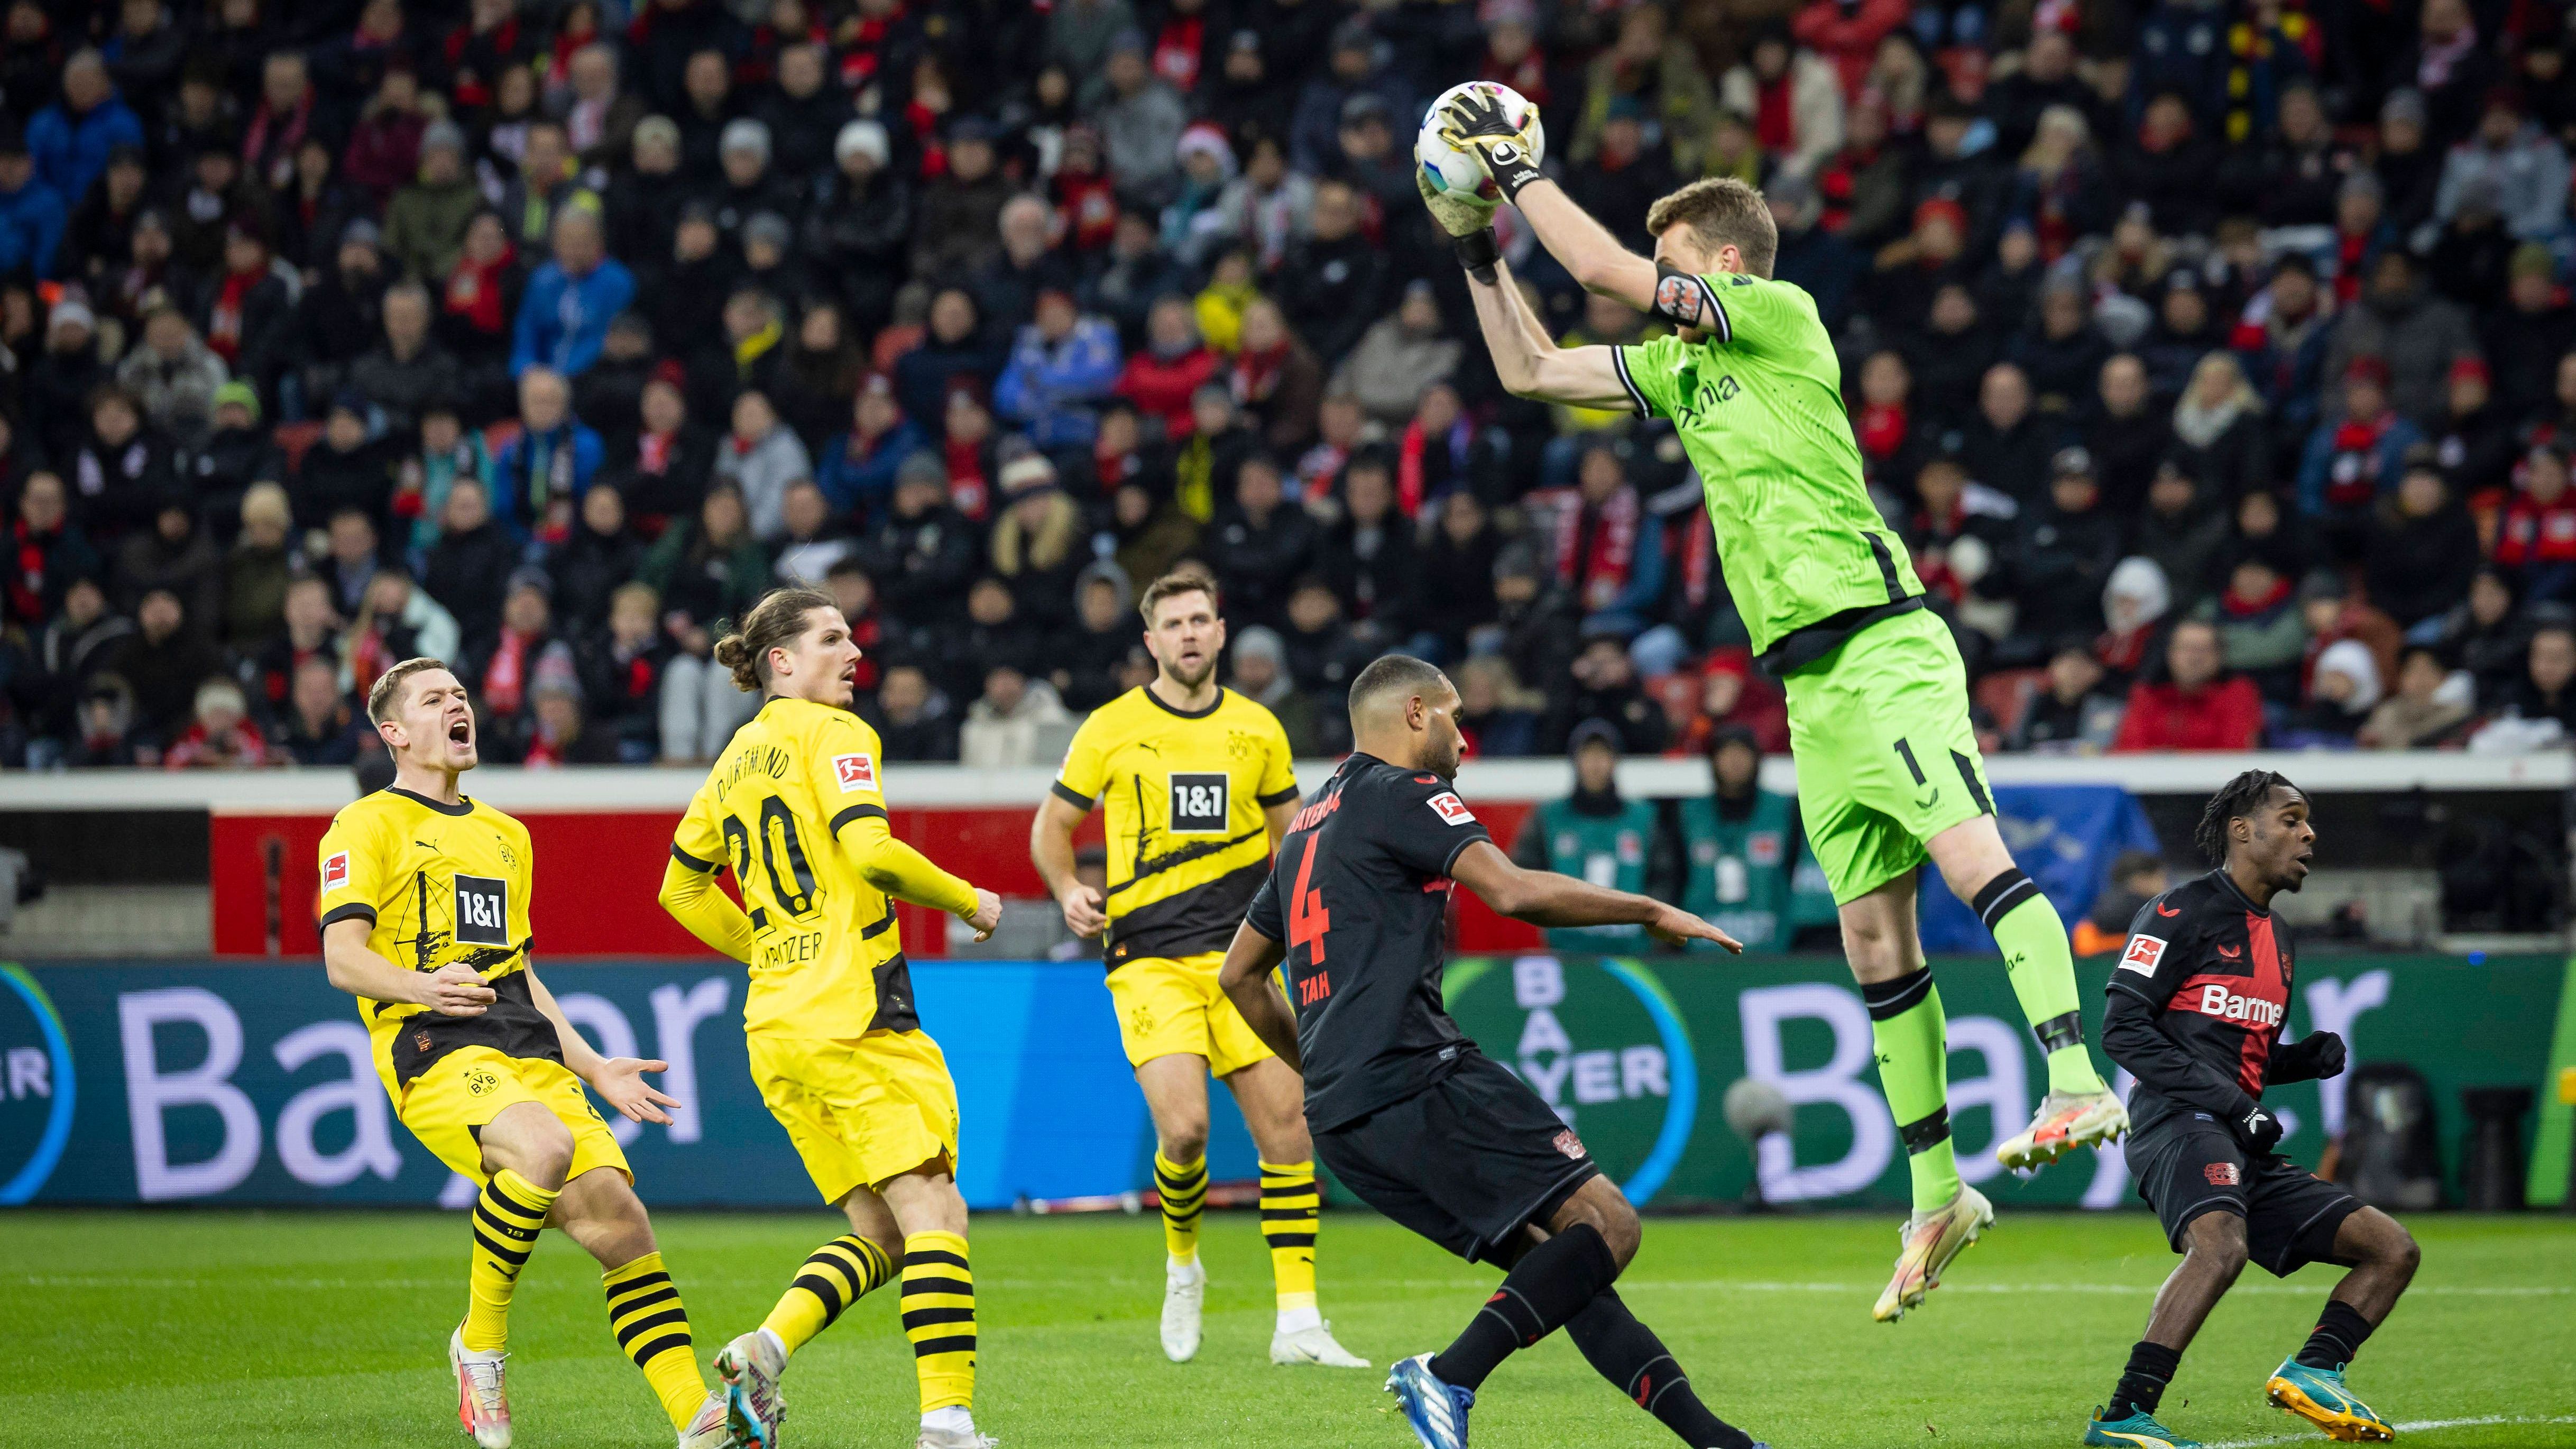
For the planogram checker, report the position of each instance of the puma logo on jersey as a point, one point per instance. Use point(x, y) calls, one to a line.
point(855, 772)
point(2143, 954)
point(335, 871)
point(2215, 1000)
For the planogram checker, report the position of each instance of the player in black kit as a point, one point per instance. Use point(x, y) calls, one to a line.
point(2195, 1012)
point(1403, 1108)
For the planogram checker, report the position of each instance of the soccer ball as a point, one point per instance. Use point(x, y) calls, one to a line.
point(1450, 169)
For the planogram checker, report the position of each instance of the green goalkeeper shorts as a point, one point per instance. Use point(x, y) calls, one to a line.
point(1886, 757)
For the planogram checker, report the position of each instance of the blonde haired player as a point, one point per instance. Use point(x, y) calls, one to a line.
point(424, 912)
point(1197, 784)
point(793, 808)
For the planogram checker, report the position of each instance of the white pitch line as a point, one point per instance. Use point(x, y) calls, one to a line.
point(2409, 1426)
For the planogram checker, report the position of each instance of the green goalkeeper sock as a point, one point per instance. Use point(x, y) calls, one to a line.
point(2042, 967)
point(1914, 1072)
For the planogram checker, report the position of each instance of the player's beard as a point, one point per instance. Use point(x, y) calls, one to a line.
point(1442, 760)
point(1190, 682)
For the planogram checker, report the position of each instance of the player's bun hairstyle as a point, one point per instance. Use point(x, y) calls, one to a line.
point(775, 621)
point(1188, 578)
point(1395, 676)
point(1723, 212)
point(2238, 797)
point(385, 696)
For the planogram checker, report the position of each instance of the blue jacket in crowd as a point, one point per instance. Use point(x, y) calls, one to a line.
point(31, 225)
point(1050, 387)
point(71, 150)
point(563, 320)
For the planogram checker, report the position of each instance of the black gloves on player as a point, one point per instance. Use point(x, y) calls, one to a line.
point(1479, 121)
point(2312, 1058)
point(2258, 1131)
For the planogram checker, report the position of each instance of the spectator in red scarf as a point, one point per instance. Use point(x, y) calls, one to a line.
point(1441, 451)
point(47, 551)
point(2538, 537)
point(1276, 380)
point(2197, 706)
point(249, 318)
point(482, 294)
point(1883, 423)
point(2352, 460)
point(504, 663)
point(221, 737)
point(312, 635)
point(1794, 97)
point(287, 113)
point(1609, 550)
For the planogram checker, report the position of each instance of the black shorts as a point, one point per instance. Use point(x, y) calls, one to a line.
point(1467, 1162)
point(2195, 1167)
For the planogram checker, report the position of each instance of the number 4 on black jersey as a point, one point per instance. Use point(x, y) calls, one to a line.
point(1360, 894)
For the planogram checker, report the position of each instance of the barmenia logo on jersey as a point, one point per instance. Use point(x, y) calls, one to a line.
point(1600, 1042)
point(2216, 1000)
point(855, 772)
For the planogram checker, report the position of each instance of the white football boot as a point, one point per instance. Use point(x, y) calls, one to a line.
point(482, 1392)
point(1184, 1306)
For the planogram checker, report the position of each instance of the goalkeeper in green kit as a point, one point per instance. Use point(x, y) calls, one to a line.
point(1888, 768)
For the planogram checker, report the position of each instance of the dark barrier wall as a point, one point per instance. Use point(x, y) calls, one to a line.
point(252, 1083)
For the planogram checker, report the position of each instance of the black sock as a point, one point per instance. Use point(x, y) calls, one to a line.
point(2339, 1334)
point(1549, 1285)
point(2142, 1384)
point(1628, 1354)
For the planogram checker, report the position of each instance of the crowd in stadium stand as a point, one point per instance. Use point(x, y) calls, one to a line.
point(2214, 358)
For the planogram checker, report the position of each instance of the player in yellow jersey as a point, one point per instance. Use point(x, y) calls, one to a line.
point(1197, 784)
point(424, 911)
point(793, 809)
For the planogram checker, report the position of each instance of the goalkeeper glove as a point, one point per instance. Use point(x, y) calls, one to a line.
point(1477, 123)
point(1469, 223)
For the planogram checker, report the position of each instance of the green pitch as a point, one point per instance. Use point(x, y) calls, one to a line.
point(204, 1328)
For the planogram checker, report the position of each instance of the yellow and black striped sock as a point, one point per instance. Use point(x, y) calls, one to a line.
point(1184, 1194)
point(1290, 1211)
point(652, 1326)
point(507, 1218)
point(939, 1318)
point(839, 1273)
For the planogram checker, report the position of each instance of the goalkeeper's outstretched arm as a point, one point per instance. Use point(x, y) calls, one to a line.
point(1529, 363)
point(1584, 247)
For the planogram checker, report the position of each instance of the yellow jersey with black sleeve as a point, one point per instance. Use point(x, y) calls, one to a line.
point(1186, 794)
point(437, 884)
point(793, 808)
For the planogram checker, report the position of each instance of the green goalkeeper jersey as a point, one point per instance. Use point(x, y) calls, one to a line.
point(1758, 404)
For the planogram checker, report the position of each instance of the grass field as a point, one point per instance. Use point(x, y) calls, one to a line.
point(207, 1328)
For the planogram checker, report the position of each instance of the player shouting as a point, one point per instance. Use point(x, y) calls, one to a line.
point(2195, 1012)
point(1404, 1109)
point(1888, 767)
point(1197, 783)
point(792, 807)
point(424, 910)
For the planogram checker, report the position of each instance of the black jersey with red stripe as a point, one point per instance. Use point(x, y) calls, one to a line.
point(1359, 891)
point(2216, 970)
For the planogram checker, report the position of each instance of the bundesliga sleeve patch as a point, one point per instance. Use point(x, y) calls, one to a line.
point(1451, 809)
point(335, 871)
point(855, 772)
point(2143, 954)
